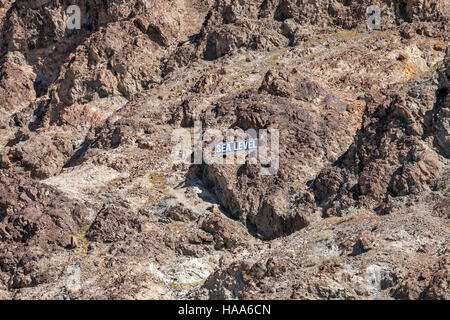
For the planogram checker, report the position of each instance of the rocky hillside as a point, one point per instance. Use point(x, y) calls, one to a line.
point(93, 207)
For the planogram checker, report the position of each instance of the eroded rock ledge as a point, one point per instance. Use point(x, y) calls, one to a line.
point(91, 205)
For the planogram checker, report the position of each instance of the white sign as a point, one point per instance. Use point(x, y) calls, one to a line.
point(235, 147)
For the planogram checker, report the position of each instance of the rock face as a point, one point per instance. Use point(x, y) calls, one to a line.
point(92, 204)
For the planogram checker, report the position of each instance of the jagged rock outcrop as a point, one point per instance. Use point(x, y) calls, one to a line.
point(93, 205)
